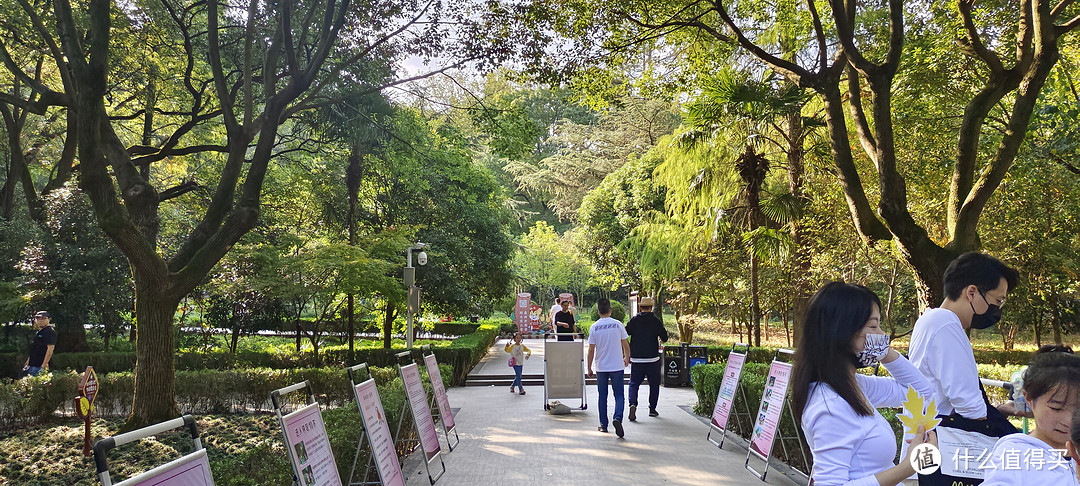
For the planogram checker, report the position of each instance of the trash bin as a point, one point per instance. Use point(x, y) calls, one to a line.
point(675, 373)
point(695, 355)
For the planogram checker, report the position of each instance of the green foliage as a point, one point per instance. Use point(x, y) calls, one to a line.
point(618, 312)
point(549, 263)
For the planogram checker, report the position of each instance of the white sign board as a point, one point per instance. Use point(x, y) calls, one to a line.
point(309, 447)
point(378, 434)
point(425, 426)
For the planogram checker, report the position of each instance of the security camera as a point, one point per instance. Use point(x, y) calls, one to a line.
point(421, 258)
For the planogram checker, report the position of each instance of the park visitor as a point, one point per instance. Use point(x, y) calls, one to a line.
point(41, 348)
point(1051, 390)
point(646, 332)
point(564, 322)
point(518, 354)
point(851, 443)
point(608, 345)
point(975, 287)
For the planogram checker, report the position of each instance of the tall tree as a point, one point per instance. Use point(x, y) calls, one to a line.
point(243, 71)
point(849, 50)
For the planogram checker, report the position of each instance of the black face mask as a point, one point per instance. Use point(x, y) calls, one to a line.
point(986, 319)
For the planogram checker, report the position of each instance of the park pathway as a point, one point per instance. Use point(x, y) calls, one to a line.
point(508, 439)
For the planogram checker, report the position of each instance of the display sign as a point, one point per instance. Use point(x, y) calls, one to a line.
point(522, 314)
point(726, 397)
point(441, 400)
point(190, 470)
point(84, 404)
point(309, 447)
point(772, 403)
point(425, 426)
point(378, 434)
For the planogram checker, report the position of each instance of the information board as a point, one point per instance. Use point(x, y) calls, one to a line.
point(425, 426)
point(309, 447)
point(441, 400)
point(190, 470)
point(378, 434)
point(772, 403)
point(726, 397)
point(522, 314)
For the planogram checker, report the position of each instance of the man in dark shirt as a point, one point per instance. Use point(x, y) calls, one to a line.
point(646, 332)
point(41, 349)
point(564, 322)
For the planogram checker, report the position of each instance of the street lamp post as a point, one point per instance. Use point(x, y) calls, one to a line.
point(413, 300)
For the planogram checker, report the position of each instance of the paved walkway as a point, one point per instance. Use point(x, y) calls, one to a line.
point(509, 439)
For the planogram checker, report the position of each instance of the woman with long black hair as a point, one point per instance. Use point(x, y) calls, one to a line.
point(852, 444)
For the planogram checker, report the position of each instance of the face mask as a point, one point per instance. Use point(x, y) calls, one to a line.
point(986, 319)
point(875, 348)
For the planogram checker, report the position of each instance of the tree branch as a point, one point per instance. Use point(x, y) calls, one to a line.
point(973, 44)
point(179, 190)
point(796, 73)
point(858, 115)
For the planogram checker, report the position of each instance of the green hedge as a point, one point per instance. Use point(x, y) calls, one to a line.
point(455, 328)
point(462, 354)
point(199, 392)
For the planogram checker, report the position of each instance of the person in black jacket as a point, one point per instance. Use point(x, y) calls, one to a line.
point(646, 332)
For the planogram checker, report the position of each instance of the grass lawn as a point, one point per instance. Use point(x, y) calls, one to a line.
point(243, 450)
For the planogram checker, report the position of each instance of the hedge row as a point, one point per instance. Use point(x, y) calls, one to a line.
point(462, 354)
point(200, 392)
point(718, 354)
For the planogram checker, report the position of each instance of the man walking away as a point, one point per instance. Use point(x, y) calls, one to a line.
point(645, 330)
point(41, 349)
point(608, 344)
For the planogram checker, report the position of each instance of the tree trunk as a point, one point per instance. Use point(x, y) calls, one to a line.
point(351, 328)
point(390, 313)
point(755, 307)
point(154, 352)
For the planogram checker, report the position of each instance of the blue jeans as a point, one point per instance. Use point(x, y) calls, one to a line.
point(31, 371)
point(616, 380)
point(517, 377)
point(638, 373)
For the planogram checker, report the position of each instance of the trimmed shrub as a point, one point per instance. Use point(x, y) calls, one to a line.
point(455, 328)
point(618, 312)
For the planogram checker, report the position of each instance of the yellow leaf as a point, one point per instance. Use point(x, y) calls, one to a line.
point(917, 414)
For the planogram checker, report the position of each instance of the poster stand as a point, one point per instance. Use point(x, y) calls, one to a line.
point(316, 445)
point(191, 470)
point(761, 447)
point(416, 403)
point(728, 406)
point(359, 376)
point(440, 403)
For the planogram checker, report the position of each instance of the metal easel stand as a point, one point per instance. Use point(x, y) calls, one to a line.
point(409, 444)
point(433, 404)
point(739, 391)
point(363, 433)
point(799, 442)
point(275, 400)
point(103, 446)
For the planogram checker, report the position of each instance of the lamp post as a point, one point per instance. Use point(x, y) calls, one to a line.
point(413, 300)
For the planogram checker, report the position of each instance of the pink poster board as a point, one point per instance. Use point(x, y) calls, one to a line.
point(772, 403)
point(437, 387)
point(190, 470)
point(425, 426)
point(378, 433)
point(726, 397)
point(522, 313)
point(309, 447)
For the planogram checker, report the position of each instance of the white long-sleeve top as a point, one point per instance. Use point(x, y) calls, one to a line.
point(940, 349)
point(848, 448)
point(1015, 463)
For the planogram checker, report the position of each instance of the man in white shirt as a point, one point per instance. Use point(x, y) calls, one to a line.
point(975, 286)
point(609, 346)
